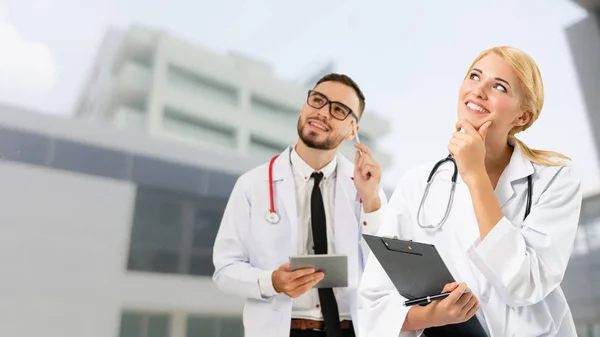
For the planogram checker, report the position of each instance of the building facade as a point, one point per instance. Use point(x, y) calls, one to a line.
point(153, 82)
point(110, 233)
point(583, 279)
point(584, 40)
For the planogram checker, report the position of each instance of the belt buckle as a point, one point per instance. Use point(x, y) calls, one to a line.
point(317, 323)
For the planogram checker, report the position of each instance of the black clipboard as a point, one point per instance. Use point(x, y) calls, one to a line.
point(417, 270)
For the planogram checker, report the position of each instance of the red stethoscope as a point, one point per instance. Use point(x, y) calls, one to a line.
point(272, 216)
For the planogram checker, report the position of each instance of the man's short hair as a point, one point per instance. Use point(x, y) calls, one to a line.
point(345, 79)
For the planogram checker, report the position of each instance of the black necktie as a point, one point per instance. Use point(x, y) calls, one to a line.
point(329, 306)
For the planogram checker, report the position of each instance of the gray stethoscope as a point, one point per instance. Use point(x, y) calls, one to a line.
point(449, 206)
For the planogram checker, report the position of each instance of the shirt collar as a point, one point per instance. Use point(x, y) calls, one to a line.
point(305, 171)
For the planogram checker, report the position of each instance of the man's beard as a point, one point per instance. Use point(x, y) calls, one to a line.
point(329, 143)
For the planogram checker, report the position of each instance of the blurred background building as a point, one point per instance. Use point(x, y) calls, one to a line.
point(109, 217)
point(582, 282)
point(152, 82)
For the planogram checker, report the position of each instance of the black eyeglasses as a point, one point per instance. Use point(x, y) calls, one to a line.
point(337, 110)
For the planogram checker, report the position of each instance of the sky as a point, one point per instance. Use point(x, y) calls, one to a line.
point(409, 57)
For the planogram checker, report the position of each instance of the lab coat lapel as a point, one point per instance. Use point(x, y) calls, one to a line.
point(285, 194)
point(518, 168)
point(345, 229)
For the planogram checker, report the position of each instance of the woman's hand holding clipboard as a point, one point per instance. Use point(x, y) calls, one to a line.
point(458, 307)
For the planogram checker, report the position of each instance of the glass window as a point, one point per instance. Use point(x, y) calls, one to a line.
point(138, 104)
point(174, 233)
point(262, 147)
point(89, 159)
point(213, 326)
point(206, 226)
point(186, 125)
point(143, 59)
point(201, 264)
point(23, 146)
point(202, 326)
point(144, 325)
point(207, 220)
point(131, 325)
point(272, 110)
point(153, 259)
point(156, 232)
point(157, 220)
point(220, 184)
point(265, 105)
point(157, 326)
point(201, 85)
point(232, 327)
point(167, 176)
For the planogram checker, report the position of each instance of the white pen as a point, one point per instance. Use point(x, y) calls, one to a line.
point(355, 126)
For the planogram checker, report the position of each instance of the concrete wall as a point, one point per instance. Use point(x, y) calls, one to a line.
point(63, 251)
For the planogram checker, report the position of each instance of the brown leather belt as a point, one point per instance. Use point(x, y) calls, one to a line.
point(308, 324)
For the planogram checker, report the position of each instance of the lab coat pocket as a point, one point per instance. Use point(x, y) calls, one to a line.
point(261, 321)
point(544, 318)
point(268, 242)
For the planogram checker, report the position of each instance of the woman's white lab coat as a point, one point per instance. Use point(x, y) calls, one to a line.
point(515, 272)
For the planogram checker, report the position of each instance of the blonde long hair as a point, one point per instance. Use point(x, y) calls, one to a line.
point(532, 99)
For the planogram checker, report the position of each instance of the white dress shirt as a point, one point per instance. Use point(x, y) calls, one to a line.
point(307, 305)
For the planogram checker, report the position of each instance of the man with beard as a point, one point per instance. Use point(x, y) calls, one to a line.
point(309, 199)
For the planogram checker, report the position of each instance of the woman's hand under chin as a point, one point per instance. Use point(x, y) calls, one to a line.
point(468, 148)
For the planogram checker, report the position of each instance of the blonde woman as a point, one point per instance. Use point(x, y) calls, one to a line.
point(510, 228)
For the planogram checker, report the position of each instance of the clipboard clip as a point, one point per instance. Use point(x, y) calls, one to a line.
point(398, 246)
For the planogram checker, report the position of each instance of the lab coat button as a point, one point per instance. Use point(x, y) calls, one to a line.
point(485, 298)
point(364, 223)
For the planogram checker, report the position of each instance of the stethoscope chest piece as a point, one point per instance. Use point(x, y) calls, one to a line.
point(272, 217)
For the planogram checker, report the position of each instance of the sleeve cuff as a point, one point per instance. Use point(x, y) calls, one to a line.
point(496, 255)
point(266, 284)
point(487, 251)
point(371, 222)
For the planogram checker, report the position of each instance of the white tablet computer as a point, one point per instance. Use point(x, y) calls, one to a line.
point(334, 266)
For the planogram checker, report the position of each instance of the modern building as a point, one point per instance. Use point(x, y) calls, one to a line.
point(581, 283)
point(584, 40)
point(153, 82)
point(106, 232)
point(583, 279)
